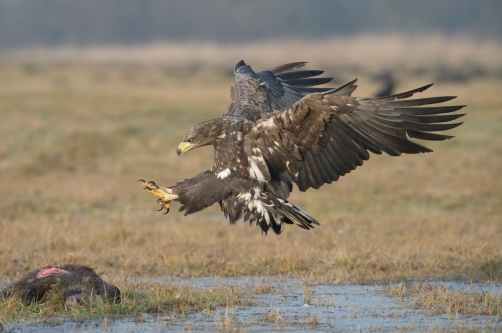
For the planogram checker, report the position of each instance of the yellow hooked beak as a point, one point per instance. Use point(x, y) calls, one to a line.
point(184, 147)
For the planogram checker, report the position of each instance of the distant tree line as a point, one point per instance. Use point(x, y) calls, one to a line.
point(25, 23)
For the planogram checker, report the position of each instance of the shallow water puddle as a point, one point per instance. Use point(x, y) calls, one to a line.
point(331, 308)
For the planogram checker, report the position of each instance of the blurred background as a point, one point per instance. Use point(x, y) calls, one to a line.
point(95, 95)
point(52, 23)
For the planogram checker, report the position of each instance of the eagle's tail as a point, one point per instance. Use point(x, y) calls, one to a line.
point(266, 210)
point(292, 214)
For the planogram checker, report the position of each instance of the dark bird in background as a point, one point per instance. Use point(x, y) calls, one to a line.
point(388, 84)
point(282, 129)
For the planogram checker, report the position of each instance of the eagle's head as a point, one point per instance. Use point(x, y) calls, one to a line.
point(202, 134)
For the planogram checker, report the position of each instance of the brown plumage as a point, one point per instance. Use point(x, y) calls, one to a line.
point(281, 129)
point(77, 284)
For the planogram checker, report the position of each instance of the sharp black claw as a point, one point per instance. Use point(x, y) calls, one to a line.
point(141, 180)
point(167, 211)
point(160, 209)
point(159, 200)
point(153, 184)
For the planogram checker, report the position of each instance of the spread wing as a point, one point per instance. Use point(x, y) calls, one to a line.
point(272, 89)
point(324, 135)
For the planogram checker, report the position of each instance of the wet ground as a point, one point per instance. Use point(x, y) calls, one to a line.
point(332, 308)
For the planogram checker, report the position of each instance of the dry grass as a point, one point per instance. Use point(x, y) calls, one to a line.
point(76, 136)
point(439, 299)
point(274, 316)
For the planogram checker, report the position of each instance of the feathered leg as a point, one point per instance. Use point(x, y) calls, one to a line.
point(166, 194)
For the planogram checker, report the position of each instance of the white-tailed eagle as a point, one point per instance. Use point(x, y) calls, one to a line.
point(282, 129)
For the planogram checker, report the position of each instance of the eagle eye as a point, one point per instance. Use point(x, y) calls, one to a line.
point(189, 140)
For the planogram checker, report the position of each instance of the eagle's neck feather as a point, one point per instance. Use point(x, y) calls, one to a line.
point(216, 130)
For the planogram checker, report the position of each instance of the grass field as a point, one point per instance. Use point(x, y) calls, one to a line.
point(75, 136)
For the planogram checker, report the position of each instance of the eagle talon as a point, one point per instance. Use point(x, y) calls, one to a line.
point(152, 183)
point(164, 205)
point(151, 186)
point(164, 195)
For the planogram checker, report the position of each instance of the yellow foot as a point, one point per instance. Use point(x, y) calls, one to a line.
point(164, 194)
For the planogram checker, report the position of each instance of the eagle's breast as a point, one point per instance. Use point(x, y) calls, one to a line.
point(229, 156)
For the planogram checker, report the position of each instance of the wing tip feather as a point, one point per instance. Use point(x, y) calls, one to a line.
point(287, 67)
point(351, 85)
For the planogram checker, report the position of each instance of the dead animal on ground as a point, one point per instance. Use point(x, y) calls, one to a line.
point(281, 129)
point(77, 284)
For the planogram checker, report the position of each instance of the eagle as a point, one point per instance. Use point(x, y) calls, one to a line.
point(281, 128)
